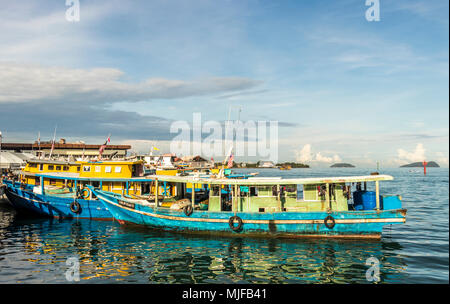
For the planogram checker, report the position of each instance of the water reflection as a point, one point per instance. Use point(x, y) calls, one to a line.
point(108, 252)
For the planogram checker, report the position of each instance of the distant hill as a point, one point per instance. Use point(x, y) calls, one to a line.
point(294, 165)
point(430, 164)
point(342, 165)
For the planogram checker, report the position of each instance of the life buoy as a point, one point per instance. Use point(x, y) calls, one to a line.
point(188, 210)
point(231, 223)
point(329, 222)
point(75, 207)
point(85, 193)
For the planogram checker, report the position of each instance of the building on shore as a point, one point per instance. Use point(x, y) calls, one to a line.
point(67, 151)
point(196, 161)
point(266, 164)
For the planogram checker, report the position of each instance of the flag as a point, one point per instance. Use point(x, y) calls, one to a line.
point(230, 161)
point(103, 147)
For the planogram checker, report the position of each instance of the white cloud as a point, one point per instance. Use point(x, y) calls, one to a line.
point(442, 159)
point(417, 155)
point(22, 83)
point(306, 155)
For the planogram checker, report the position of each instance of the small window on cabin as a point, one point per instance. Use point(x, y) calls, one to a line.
point(265, 191)
point(118, 169)
point(253, 191)
point(33, 165)
point(51, 167)
point(66, 168)
point(98, 169)
point(78, 168)
point(299, 192)
point(215, 190)
point(41, 167)
point(58, 168)
point(86, 168)
point(108, 169)
point(289, 191)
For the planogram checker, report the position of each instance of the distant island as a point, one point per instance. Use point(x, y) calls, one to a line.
point(342, 165)
point(293, 165)
point(430, 164)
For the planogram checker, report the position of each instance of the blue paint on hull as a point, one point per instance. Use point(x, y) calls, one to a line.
point(25, 201)
point(365, 223)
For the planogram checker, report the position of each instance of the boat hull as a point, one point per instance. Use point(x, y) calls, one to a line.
point(348, 224)
point(27, 202)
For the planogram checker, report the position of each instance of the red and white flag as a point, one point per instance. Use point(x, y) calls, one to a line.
point(230, 161)
point(103, 147)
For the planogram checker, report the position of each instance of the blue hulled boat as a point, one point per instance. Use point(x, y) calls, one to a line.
point(274, 207)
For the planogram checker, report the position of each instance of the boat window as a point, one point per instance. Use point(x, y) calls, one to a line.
point(78, 168)
point(215, 190)
point(118, 169)
point(98, 169)
point(253, 191)
point(299, 192)
point(265, 191)
point(58, 168)
point(86, 168)
point(289, 191)
point(41, 167)
point(108, 169)
point(33, 165)
point(51, 167)
point(66, 168)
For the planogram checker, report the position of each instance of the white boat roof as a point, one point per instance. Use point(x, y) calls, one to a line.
point(229, 181)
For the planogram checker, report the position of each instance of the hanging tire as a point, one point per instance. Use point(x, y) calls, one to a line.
point(85, 193)
point(188, 210)
point(329, 222)
point(75, 207)
point(231, 223)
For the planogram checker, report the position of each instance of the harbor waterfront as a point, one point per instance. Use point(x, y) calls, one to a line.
point(35, 250)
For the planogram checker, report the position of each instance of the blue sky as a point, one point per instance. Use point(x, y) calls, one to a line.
point(342, 88)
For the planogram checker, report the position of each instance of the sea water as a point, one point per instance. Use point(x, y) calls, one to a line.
point(40, 250)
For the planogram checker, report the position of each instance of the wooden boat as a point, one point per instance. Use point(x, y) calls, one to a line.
point(273, 207)
point(59, 188)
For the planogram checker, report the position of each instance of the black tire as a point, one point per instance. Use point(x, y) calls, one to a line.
point(75, 207)
point(231, 223)
point(327, 223)
point(188, 210)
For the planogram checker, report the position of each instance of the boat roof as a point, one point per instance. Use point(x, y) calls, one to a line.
point(221, 181)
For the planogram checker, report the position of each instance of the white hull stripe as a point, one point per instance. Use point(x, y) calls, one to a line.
point(320, 221)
